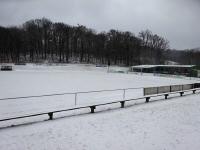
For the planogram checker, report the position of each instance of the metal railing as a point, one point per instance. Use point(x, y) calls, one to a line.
point(123, 90)
point(93, 106)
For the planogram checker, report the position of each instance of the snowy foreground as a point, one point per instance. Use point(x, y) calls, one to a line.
point(158, 125)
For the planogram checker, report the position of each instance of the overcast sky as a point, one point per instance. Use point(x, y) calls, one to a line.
point(176, 20)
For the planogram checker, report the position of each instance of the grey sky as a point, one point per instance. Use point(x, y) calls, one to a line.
point(176, 20)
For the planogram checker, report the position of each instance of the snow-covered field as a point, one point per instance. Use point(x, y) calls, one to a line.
point(171, 124)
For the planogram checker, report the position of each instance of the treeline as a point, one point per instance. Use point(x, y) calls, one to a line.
point(187, 57)
point(41, 40)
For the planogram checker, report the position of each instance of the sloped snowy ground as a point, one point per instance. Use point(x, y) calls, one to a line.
point(161, 125)
point(171, 124)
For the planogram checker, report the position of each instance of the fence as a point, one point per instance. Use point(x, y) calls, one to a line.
point(123, 92)
point(169, 89)
point(148, 93)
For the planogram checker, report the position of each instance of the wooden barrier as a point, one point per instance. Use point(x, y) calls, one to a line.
point(175, 88)
point(150, 90)
point(188, 86)
point(167, 89)
point(164, 89)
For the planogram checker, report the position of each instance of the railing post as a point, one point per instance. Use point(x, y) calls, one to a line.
point(50, 115)
point(75, 99)
point(92, 108)
point(122, 104)
point(124, 94)
point(157, 90)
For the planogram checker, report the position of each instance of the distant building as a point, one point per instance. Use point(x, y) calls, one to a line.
point(185, 70)
point(6, 68)
point(171, 63)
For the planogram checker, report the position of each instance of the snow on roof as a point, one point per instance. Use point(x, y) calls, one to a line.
point(143, 66)
point(153, 66)
point(6, 64)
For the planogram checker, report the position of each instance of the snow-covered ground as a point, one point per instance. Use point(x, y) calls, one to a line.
point(163, 125)
point(41, 79)
point(171, 124)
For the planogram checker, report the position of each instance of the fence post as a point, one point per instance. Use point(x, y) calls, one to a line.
point(157, 90)
point(75, 99)
point(124, 94)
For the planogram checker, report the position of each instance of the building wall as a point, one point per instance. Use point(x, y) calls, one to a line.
point(186, 71)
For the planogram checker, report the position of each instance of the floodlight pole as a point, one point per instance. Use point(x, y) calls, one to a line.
point(108, 69)
point(108, 66)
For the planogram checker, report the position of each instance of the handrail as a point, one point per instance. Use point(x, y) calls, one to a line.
point(72, 93)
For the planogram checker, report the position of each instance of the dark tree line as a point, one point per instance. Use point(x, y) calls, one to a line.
point(41, 40)
point(185, 57)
